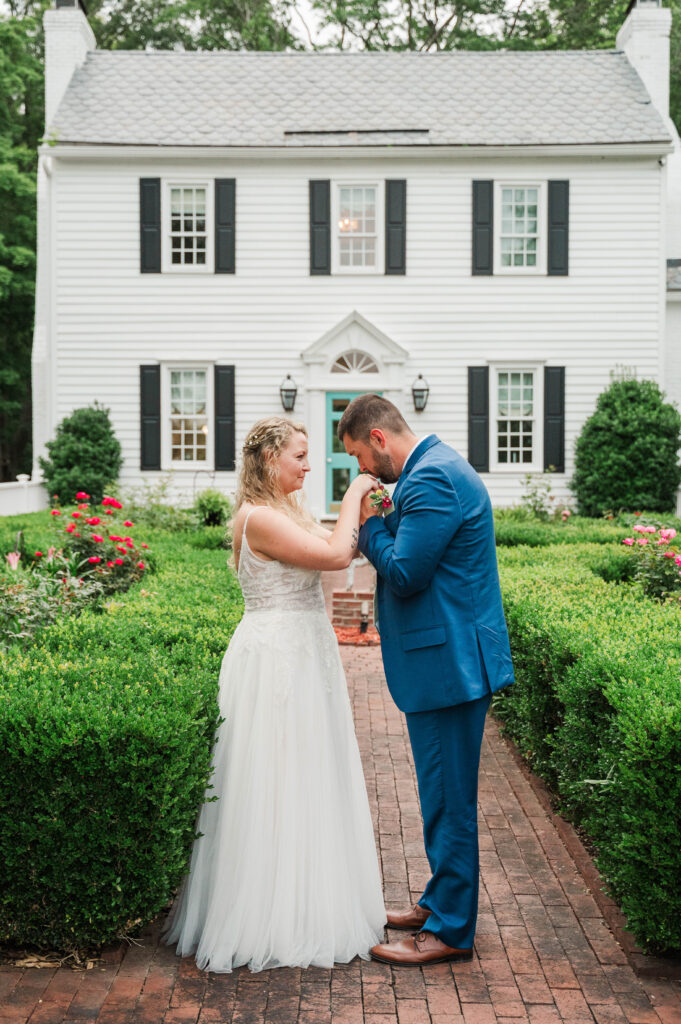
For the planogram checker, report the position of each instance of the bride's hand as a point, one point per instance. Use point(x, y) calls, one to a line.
point(363, 484)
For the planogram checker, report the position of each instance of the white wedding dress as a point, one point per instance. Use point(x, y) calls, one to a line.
point(286, 872)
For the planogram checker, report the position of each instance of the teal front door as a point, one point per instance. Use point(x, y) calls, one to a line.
point(341, 468)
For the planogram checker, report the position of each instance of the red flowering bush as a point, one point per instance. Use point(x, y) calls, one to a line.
point(100, 540)
point(658, 567)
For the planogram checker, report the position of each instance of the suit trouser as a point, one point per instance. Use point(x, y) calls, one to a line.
point(446, 745)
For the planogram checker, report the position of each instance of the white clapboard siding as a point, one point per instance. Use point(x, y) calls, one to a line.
point(107, 318)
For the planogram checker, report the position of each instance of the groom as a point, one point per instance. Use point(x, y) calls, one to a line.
point(445, 651)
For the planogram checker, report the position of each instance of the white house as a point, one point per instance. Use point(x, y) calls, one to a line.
point(210, 223)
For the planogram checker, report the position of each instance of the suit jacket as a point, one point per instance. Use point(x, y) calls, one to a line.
point(443, 633)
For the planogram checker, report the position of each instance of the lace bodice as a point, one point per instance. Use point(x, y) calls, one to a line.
point(277, 585)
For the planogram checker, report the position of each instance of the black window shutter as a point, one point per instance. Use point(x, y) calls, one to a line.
point(478, 418)
point(483, 227)
point(225, 445)
point(558, 228)
point(150, 225)
point(225, 225)
point(554, 418)
point(320, 227)
point(395, 227)
point(150, 417)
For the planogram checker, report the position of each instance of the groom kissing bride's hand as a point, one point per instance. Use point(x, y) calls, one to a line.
point(445, 651)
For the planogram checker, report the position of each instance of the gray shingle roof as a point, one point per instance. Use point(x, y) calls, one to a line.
point(345, 99)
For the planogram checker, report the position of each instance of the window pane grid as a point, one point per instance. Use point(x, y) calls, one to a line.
point(357, 226)
point(515, 417)
point(519, 227)
point(188, 226)
point(188, 416)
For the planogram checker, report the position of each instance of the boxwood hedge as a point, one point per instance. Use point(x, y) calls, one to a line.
point(596, 709)
point(106, 726)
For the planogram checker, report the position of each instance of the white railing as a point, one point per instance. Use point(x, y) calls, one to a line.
point(22, 495)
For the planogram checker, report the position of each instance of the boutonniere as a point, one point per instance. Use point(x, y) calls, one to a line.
point(381, 501)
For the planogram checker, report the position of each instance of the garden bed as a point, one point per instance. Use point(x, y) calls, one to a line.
point(107, 725)
point(596, 710)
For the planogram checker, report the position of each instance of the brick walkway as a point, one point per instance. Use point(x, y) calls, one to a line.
point(543, 952)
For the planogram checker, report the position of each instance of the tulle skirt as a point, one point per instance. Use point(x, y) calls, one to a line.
point(285, 872)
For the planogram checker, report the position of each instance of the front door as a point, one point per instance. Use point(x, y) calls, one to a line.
point(341, 468)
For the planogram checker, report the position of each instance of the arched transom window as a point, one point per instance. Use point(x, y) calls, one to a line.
point(354, 361)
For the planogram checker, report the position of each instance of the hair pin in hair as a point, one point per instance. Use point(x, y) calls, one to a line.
point(254, 441)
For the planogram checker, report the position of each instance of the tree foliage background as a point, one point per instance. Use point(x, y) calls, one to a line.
point(425, 25)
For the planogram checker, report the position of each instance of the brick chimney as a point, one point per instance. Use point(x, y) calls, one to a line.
point(68, 38)
point(644, 37)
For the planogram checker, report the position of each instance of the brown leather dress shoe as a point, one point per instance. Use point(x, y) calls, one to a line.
point(418, 951)
point(411, 920)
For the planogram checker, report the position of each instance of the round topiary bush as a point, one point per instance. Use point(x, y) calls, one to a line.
point(626, 455)
point(84, 456)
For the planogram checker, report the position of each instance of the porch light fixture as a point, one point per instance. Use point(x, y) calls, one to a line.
point(288, 390)
point(419, 392)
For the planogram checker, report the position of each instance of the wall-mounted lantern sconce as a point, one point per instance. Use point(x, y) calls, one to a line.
point(288, 391)
point(419, 392)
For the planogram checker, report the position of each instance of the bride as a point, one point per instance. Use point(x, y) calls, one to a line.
point(284, 871)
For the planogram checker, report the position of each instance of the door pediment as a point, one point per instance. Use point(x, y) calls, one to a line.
point(353, 337)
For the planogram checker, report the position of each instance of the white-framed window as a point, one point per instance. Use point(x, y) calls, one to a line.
point(188, 244)
point(516, 403)
point(357, 216)
point(519, 227)
point(187, 404)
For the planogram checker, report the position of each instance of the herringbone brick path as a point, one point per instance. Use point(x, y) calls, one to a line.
point(543, 951)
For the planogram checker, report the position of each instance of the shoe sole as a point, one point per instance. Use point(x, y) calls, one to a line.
point(408, 927)
point(452, 958)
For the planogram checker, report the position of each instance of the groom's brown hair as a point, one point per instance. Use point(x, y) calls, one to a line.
point(367, 412)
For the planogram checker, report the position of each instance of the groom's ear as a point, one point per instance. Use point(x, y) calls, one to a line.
point(378, 437)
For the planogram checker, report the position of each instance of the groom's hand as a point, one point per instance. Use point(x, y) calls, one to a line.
point(366, 509)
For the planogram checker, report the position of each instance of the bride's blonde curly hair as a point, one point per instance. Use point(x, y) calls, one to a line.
point(258, 478)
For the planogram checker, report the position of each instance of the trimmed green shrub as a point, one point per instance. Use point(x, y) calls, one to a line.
point(106, 731)
point(596, 709)
point(84, 456)
point(626, 454)
point(213, 508)
point(512, 529)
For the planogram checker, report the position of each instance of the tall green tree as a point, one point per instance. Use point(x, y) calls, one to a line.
point(21, 119)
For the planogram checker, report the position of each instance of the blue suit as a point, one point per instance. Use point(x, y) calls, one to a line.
point(445, 650)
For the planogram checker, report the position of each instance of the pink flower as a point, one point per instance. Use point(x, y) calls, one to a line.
point(109, 564)
point(566, 512)
point(95, 536)
point(93, 520)
point(638, 528)
point(678, 559)
point(94, 558)
point(628, 540)
point(55, 512)
point(76, 515)
point(642, 540)
point(114, 537)
point(120, 547)
point(118, 561)
point(649, 529)
point(76, 534)
point(38, 554)
point(140, 565)
point(112, 502)
point(145, 545)
point(108, 511)
point(51, 553)
point(661, 540)
point(668, 534)
point(637, 513)
point(13, 559)
point(668, 554)
point(83, 507)
point(70, 528)
point(128, 523)
point(82, 495)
